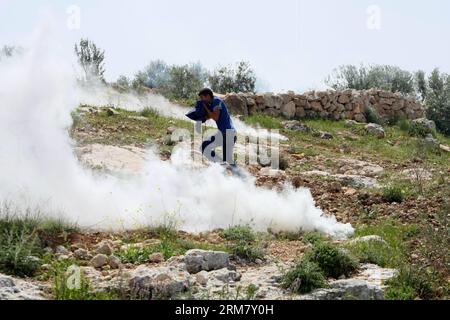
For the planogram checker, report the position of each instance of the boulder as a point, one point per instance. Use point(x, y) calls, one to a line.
point(288, 110)
point(61, 250)
point(112, 112)
point(114, 262)
point(236, 104)
point(344, 98)
point(81, 254)
point(157, 283)
point(368, 284)
point(432, 141)
point(425, 125)
point(156, 257)
point(326, 135)
point(197, 260)
point(359, 117)
point(105, 247)
point(296, 125)
point(99, 261)
point(375, 130)
point(300, 112)
point(347, 289)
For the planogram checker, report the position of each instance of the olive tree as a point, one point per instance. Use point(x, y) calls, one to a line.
point(233, 79)
point(91, 59)
point(386, 77)
point(438, 100)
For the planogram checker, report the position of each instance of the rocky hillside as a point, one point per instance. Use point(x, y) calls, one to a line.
point(390, 182)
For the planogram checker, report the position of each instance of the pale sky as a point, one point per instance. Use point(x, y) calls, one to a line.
point(292, 44)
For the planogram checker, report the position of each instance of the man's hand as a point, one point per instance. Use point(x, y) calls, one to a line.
point(212, 114)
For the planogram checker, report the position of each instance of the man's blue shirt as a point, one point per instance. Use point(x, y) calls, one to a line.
point(199, 114)
point(224, 123)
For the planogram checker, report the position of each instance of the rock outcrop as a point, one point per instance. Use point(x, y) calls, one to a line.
point(16, 289)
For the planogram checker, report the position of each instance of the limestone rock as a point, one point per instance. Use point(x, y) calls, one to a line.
point(197, 260)
point(288, 110)
point(225, 275)
point(112, 112)
point(236, 104)
point(202, 277)
point(17, 289)
point(156, 257)
point(157, 283)
point(99, 260)
point(360, 118)
point(81, 254)
point(114, 262)
point(296, 125)
point(347, 289)
point(428, 126)
point(61, 250)
point(366, 285)
point(105, 247)
point(432, 141)
point(375, 129)
point(326, 135)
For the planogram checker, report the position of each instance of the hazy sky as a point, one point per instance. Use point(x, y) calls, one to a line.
point(292, 44)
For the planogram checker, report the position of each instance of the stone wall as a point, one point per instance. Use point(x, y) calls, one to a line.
point(347, 104)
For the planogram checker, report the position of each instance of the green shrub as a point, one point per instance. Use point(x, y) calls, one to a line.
point(375, 252)
point(248, 251)
point(239, 233)
point(372, 116)
point(314, 237)
point(393, 193)
point(243, 243)
point(62, 291)
point(404, 125)
point(416, 130)
point(135, 255)
point(19, 244)
point(304, 277)
point(149, 113)
point(395, 234)
point(251, 291)
point(411, 283)
point(23, 235)
point(334, 261)
point(19, 249)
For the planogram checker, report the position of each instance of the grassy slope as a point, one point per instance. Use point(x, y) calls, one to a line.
point(413, 246)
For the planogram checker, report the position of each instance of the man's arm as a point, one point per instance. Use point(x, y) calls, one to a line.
point(212, 114)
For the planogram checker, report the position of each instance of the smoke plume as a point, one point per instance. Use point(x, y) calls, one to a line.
point(38, 92)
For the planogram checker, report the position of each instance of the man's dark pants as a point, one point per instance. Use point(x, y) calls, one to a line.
point(228, 142)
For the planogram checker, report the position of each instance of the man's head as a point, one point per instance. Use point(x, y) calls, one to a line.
point(206, 95)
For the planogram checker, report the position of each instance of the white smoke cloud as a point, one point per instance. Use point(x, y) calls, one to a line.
point(38, 165)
